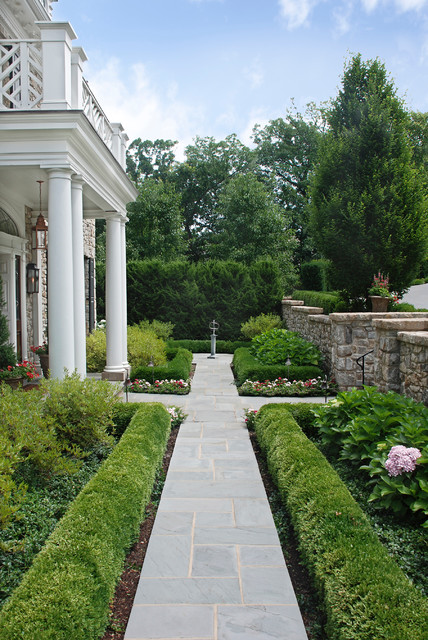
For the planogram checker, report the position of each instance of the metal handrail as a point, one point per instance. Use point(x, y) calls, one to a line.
point(362, 366)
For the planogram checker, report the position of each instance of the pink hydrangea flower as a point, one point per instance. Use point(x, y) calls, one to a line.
point(401, 459)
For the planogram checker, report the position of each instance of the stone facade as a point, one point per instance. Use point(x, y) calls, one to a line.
point(389, 350)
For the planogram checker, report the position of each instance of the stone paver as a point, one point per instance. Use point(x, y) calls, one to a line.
point(214, 568)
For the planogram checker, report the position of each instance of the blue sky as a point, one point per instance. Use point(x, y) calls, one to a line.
point(181, 68)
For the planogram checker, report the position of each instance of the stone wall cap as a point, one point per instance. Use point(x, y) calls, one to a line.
point(414, 337)
point(320, 318)
point(293, 303)
point(310, 310)
point(402, 324)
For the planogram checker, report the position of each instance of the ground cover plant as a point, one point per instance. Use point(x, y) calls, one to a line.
point(66, 593)
point(385, 437)
point(363, 591)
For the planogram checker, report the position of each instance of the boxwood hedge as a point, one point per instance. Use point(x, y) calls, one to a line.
point(66, 593)
point(176, 369)
point(246, 367)
point(365, 594)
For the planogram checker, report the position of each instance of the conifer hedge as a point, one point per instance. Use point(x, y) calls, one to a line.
point(192, 295)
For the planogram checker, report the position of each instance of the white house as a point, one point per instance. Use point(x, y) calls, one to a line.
point(59, 157)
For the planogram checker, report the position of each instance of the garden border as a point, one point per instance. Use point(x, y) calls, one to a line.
point(65, 595)
point(365, 594)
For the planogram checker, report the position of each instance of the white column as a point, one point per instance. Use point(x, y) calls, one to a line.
point(114, 318)
point(78, 276)
point(60, 274)
point(124, 297)
point(56, 48)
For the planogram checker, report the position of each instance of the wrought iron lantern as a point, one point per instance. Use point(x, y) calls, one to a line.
point(40, 231)
point(32, 278)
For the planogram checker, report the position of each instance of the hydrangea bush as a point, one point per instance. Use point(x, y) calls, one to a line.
point(384, 435)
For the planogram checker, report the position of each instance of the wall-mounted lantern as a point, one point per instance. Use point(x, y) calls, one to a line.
point(32, 278)
point(40, 240)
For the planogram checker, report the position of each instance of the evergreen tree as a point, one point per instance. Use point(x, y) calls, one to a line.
point(368, 208)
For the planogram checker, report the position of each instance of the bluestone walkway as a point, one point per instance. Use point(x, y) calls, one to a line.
point(214, 568)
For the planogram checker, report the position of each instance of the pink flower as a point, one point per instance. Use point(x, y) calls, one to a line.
point(401, 459)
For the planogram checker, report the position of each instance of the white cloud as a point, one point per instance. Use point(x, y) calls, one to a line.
point(254, 73)
point(256, 116)
point(342, 16)
point(296, 12)
point(144, 110)
point(401, 5)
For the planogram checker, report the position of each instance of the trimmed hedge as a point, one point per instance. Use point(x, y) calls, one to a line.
point(246, 367)
point(176, 369)
point(204, 346)
point(192, 295)
point(364, 593)
point(327, 301)
point(314, 275)
point(65, 595)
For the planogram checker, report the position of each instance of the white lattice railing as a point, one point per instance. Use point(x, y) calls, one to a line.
point(96, 116)
point(20, 74)
point(21, 85)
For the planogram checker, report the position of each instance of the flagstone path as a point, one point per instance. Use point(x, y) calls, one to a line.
point(214, 568)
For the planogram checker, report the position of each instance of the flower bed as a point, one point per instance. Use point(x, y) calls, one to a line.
point(283, 387)
point(177, 387)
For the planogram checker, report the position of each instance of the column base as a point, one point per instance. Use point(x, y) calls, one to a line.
point(114, 376)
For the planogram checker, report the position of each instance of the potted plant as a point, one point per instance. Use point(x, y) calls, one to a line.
point(42, 351)
point(379, 293)
point(15, 374)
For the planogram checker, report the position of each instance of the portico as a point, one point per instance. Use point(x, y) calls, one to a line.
point(53, 130)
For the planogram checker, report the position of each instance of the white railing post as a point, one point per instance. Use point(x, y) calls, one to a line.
point(78, 57)
point(56, 47)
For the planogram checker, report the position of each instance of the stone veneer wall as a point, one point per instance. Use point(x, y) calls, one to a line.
point(399, 359)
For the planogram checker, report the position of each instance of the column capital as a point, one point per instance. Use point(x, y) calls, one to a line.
point(77, 181)
point(59, 172)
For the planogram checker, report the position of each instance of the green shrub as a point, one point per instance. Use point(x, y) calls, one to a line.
point(365, 594)
point(361, 426)
point(67, 591)
point(204, 346)
point(80, 409)
point(328, 301)
point(260, 324)
point(192, 295)
point(418, 281)
point(162, 330)
point(314, 275)
point(247, 367)
point(96, 349)
point(276, 345)
point(176, 369)
point(145, 347)
point(303, 413)
point(123, 412)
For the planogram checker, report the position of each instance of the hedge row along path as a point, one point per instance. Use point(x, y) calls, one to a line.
point(214, 568)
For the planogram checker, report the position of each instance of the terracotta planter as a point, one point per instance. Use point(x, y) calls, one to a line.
point(379, 304)
point(44, 363)
point(13, 382)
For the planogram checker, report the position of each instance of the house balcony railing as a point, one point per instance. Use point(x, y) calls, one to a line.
point(29, 81)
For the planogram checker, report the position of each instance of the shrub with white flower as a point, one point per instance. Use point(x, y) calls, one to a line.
point(177, 416)
point(401, 459)
point(177, 387)
point(284, 387)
